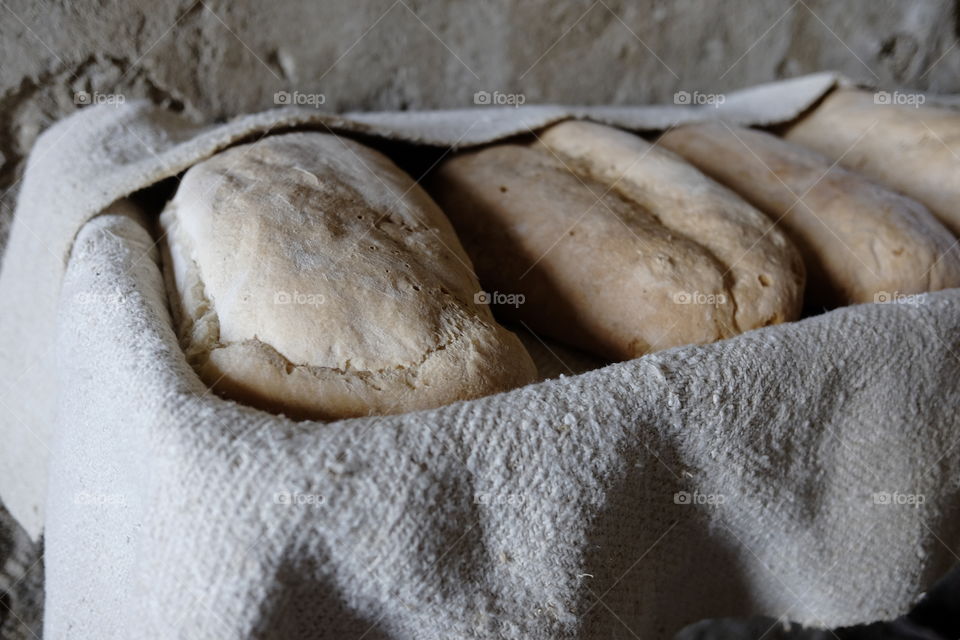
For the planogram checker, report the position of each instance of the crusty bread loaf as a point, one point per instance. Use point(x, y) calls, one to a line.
point(912, 149)
point(861, 242)
point(311, 276)
point(617, 247)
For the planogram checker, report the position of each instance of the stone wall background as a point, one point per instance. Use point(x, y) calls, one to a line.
point(214, 58)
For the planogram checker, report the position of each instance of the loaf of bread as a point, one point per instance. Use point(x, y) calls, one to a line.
point(912, 149)
point(311, 276)
point(615, 246)
point(861, 242)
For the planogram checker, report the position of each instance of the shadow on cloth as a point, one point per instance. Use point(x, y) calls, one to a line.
point(632, 560)
point(307, 607)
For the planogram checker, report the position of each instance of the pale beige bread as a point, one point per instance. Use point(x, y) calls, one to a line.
point(762, 271)
point(913, 150)
point(861, 241)
point(618, 267)
point(311, 276)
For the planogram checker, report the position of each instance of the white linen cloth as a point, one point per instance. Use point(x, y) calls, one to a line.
point(807, 470)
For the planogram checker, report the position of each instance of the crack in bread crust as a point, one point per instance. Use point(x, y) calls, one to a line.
point(392, 324)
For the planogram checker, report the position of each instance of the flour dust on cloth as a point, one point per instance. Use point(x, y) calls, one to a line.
point(758, 475)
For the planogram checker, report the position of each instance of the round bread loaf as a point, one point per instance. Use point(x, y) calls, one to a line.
point(311, 276)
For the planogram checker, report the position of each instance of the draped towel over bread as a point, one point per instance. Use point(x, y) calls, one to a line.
point(808, 470)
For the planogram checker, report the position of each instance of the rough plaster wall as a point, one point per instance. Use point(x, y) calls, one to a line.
point(213, 59)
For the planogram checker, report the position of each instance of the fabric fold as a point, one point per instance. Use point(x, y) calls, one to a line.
point(806, 470)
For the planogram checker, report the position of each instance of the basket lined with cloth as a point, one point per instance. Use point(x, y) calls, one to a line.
point(736, 478)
